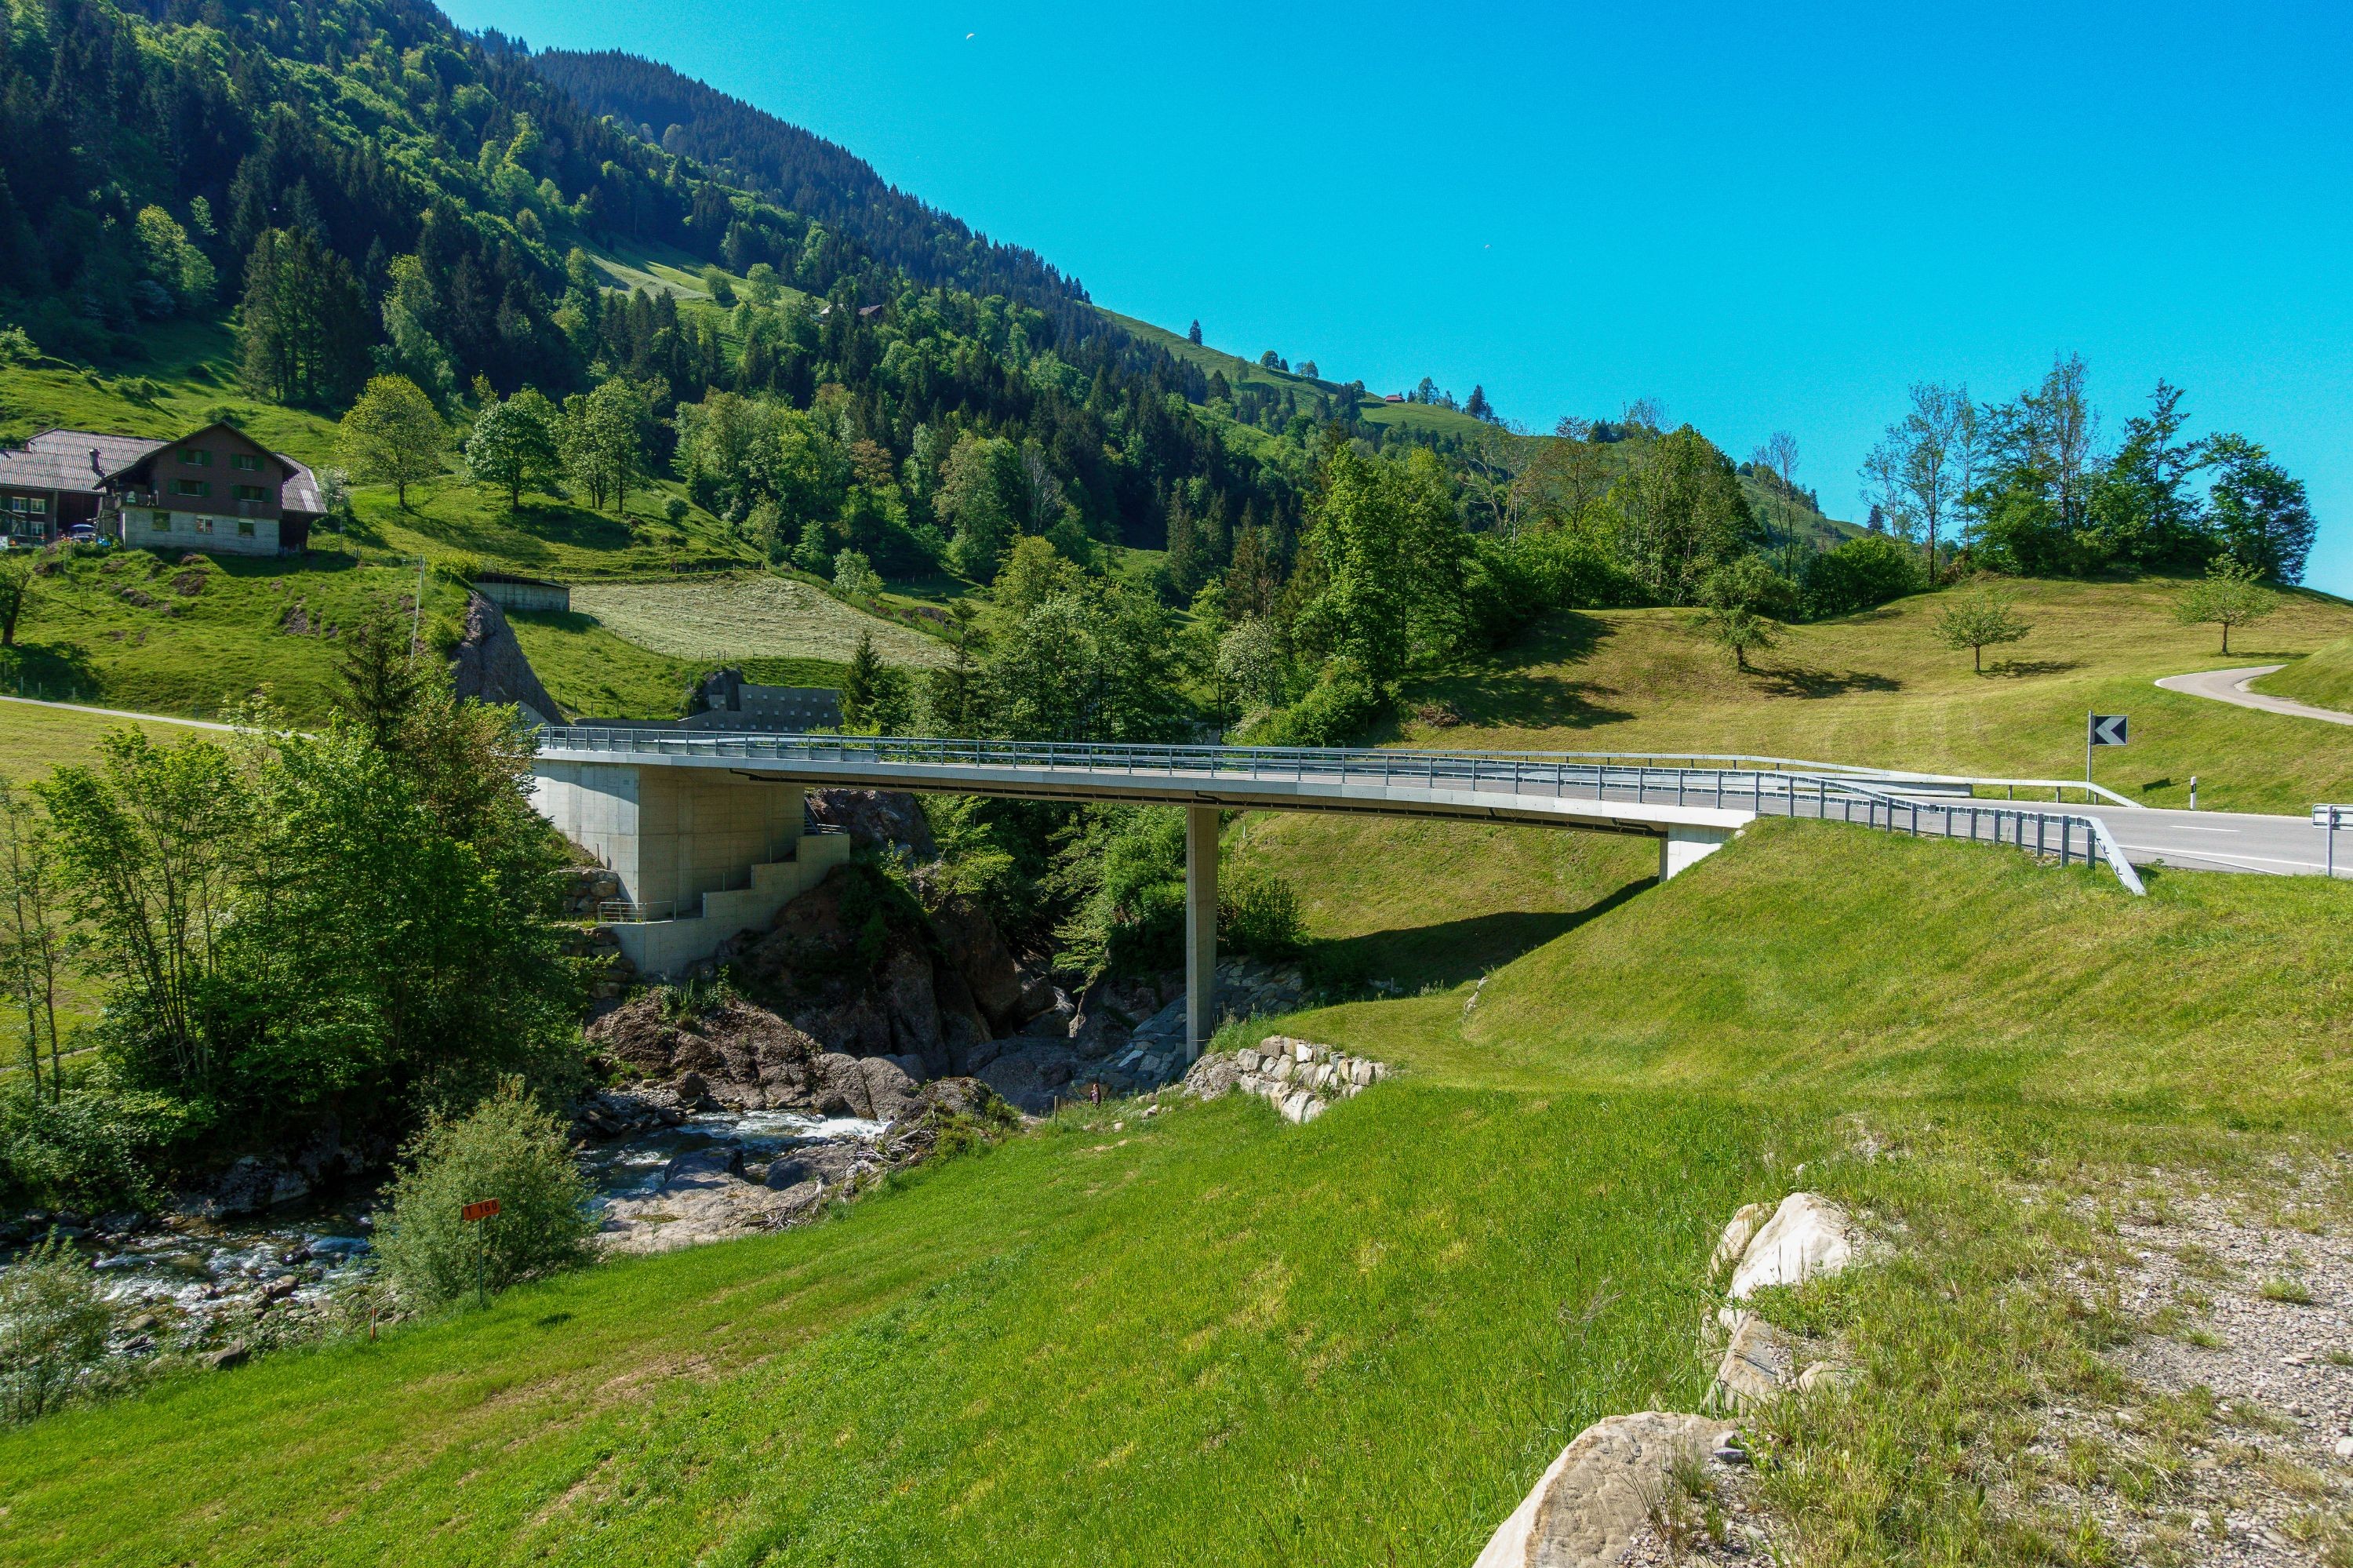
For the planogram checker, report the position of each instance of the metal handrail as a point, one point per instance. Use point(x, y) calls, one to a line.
point(1881, 800)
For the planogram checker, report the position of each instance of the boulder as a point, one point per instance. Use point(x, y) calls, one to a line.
point(228, 1356)
point(1807, 1236)
point(488, 664)
point(1585, 1509)
point(977, 951)
point(1757, 1364)
point(874, 1087)
point(1736, 1233)
point(876, 819)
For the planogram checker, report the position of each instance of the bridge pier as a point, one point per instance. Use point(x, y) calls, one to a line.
point(1200, 927)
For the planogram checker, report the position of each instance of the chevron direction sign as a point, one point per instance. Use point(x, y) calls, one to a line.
point(2107, 729)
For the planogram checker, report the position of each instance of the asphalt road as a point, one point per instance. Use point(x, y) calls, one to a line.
point(2225, 841)
point(2230, 687)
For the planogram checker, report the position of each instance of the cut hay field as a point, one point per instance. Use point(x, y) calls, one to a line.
point(749, 618)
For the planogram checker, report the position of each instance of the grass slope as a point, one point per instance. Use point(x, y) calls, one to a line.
point(1211, 1334)
point(1206, 1335)
point(595, 673)
point(2323, 678)
point(1815, 961)
point(1878, 688)
point(131, 630)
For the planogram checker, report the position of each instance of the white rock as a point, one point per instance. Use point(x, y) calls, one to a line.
point(1736, 1237)
point(1808, 1236)
point(2344, 1447)
point(1302, 1051)
point(1294, 1106)
point(1757, 1364)
point(1587, 1507)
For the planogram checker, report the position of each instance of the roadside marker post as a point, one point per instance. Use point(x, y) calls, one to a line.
point(474, 1214)
point(2101, 729)
point(2332, 818)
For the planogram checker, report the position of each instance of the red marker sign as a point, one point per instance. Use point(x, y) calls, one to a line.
point(481, 1211)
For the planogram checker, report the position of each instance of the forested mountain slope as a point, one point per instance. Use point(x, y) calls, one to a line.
point(805, 173)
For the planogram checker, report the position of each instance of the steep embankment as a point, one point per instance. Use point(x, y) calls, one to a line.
point(2323, 678)
point(1833, 962)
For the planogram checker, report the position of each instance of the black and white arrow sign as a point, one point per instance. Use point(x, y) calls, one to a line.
point(2107, 729)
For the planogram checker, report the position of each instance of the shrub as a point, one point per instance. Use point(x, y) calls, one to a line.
point(1859, 575)
point(675, 510)
point(53, 1326)
point(16, 347)
point(1257, 913)
point(85, 1149)
point(506, 1147)
point(854, 576)
point(1342, 704)
point(461, 568)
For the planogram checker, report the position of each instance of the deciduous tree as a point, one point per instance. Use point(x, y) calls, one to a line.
point(1977, 621)
point(2231, 594)
point(391, 435)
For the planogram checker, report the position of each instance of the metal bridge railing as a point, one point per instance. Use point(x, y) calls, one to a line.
point(1831, 794)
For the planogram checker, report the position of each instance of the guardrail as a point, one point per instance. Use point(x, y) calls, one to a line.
point(1830, 794)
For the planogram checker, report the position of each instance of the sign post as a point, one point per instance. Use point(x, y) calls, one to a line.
point(2101, 729)
point(2332, 818)
point(474, 1214)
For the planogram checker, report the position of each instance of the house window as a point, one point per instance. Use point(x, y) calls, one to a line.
point(196, 457)
point(248, 493)
point(160, 521)
point(204, 525)
point(245, 462)
point(245, 527)
point(191, 487)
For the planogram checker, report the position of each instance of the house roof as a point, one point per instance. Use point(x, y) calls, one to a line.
point(61, 459)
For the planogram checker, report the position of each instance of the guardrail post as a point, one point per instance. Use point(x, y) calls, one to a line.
point(1200, 927)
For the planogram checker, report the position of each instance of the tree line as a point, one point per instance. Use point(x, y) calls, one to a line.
point(2029, 487)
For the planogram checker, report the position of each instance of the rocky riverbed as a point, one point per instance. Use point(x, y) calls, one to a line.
point(212, 1275)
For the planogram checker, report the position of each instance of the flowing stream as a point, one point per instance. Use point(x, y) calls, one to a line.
point(171, 1280)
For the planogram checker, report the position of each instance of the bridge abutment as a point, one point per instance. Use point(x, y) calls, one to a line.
point(701, 854)
point(1680, 849)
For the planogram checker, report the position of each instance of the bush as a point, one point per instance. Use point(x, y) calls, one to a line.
point(1859, 575)
point(1257, 913)
point(87, 1149)
point(506, 1147)
point(1342, 704)
point(53, 1326)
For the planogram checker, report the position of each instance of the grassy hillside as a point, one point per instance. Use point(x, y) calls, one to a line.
point(133, 630)
point(2323, 677)
point(2014, 985)
point(1337, 1343)
point(1879, 688)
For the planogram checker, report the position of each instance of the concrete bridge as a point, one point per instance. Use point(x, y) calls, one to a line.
point(709, 836)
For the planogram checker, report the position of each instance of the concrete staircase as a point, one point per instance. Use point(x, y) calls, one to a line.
point(666, 949)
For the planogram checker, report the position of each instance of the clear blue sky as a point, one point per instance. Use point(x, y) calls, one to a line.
point(1767, 217)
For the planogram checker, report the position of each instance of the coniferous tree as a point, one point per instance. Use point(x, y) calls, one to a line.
point(304, 321)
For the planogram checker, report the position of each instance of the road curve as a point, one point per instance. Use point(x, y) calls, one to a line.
point(2230, 687)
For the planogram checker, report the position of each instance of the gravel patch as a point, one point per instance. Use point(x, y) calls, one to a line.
point(2227, 1449)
